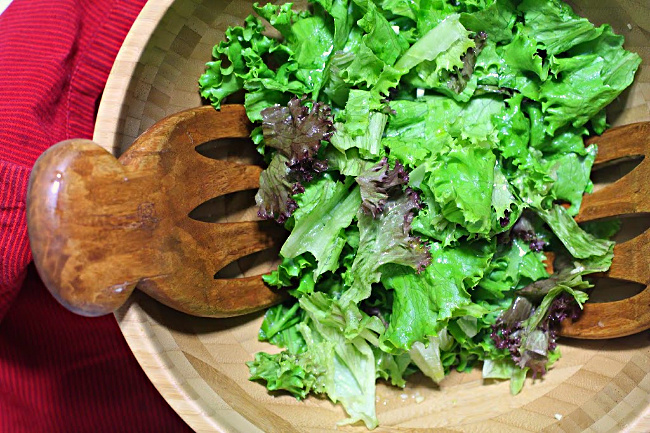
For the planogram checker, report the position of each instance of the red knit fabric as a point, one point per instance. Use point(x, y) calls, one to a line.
point(59, 372)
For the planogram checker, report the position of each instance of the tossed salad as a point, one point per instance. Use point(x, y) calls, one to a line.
point(426, 156)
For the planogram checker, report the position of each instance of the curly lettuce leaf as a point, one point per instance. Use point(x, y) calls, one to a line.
point(529, 328)
point(462, 182)
point(342, 339)
point(555, 26)
point(337, 358)
point(411, 130)
point(507, 207)
point(363, 127)
point(297, 131)
point(364, 67)
point(295, 272)
point(324, 213)
point(581, 244)
point(377, 182)
point(379, 36)
point(385, 239)
point(274, 196)
point(281, 17)
point(497, 20)
point(586, 82)
point(423, 302)
point(239, 58)
point(279, 327)
point(294, 373)
point(441, 70)
point(513, 265)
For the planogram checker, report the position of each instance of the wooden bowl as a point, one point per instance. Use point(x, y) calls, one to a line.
point(198, 364)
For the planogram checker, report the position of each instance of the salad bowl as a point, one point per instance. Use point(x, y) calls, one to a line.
point(199, 364)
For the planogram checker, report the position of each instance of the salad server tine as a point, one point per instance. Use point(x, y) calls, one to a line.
point(628, 195)
point(631, 193)
point(99, 226)
point(627, 316)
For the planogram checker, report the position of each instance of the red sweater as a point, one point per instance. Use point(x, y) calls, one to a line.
point(59, 372)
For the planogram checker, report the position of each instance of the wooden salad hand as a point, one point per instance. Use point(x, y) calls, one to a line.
point(630, 195)
point(99, 226)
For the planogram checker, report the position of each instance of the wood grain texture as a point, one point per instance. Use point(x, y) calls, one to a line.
point(197, 364)
point(629, 195)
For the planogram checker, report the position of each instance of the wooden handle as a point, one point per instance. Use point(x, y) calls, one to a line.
point(87, 223)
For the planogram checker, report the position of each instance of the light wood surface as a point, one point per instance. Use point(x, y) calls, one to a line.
point(198, 364)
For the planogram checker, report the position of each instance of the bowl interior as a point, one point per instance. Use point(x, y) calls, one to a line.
point(198, 364)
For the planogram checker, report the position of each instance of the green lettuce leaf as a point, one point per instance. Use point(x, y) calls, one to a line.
point(346, 334)
point(462, 183)
point(583, 84)
point(320, 220)
point(449, 36)
point(555, 26)
point(581, 244)
point(422, 302)
point(427, 355)
point(385, 239)
point(571, 173)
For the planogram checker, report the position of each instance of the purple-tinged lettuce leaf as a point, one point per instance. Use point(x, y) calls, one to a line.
point(524, 229)
point(459, 78)
point(327, 208)
point(376, 183)
point(296, 131)
point(386, 239)
point(529, 328)
point(273, 198)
